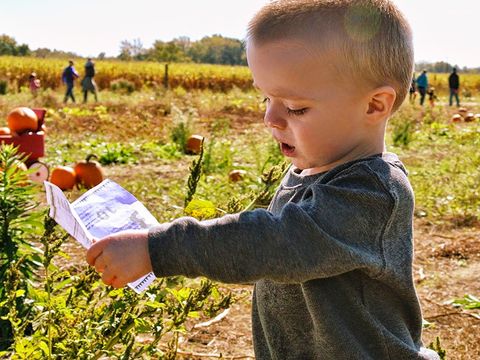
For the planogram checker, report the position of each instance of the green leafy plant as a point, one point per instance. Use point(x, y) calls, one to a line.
point(68, 313)
point(116, 154)
point(122, 86)
point(402, 133)
point(19, 259)
point(77, 317)
point(467, 302)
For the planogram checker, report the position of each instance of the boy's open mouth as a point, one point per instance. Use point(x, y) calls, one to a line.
point(287, 149)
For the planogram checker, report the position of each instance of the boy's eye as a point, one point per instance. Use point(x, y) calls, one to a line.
point(296, 112)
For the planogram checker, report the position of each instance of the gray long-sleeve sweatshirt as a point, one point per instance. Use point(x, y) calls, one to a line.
point(331, 260)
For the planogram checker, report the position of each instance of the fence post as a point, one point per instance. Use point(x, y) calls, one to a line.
point(165, 77)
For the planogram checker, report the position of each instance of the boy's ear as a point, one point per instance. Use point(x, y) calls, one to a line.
point(380, 103)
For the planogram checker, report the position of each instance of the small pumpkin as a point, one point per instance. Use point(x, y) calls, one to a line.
point(456, 118)
point(194, 144)
point(469, 117)
point(22, 119)
point(89, 173)
point(64, 177)
point(4, 130)
point(236, 175)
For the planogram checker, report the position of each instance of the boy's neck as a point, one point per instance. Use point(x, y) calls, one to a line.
point(360, 152)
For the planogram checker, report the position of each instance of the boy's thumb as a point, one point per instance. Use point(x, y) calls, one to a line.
point(95, 251)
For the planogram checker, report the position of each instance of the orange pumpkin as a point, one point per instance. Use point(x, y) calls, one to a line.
point(456, 118)
point(89, 173)
point(22, 119)
point(236, 175)
point(194, 144)
point(64, 177)
point(5, 130)
point(469, 117)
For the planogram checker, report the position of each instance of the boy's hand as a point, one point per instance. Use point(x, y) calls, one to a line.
point(122, 257)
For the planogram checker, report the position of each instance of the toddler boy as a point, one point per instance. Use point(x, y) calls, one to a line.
point(331, 257)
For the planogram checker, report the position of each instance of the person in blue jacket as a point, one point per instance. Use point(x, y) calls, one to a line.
point(422, 85)
point(68, 77)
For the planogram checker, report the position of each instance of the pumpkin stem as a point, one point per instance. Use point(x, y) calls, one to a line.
point(90, 156)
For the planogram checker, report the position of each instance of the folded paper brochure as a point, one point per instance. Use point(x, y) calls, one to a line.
point(105, 209)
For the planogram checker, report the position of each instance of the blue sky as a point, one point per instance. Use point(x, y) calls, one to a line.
point(443, 29)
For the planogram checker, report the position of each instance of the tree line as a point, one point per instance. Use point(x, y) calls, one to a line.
point(214, 49)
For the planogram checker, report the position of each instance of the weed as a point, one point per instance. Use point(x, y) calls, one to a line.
point(181, 127)
point(116, 154)
point(402, 134)
point(438, 348)
point(18, 256)
point(122, 86)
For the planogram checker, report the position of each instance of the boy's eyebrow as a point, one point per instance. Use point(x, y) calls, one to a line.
point(284, 94)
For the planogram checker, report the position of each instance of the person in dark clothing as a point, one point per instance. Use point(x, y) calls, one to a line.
point(88, 84)
point(422, 85)
point(454, 84)
point(68, 77)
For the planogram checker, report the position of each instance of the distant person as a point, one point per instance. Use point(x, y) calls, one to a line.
point(34, 83)
point(88, 84)
point(422, 85)
point(413, 90)
point(68, 77)
point(454, 85)
point(431, 96)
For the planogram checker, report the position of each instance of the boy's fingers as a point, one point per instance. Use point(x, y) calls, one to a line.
point(100, 263)
point(116, 283)
point(108, 277)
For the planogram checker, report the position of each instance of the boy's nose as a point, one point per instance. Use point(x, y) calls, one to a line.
point(274, 120)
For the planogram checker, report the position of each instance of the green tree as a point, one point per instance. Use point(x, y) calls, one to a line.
point(217, 49)
point(171, 51)
point(8, 46)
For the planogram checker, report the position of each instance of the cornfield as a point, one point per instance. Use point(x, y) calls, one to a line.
point(16, 71)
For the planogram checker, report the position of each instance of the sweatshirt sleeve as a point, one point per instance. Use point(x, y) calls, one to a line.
point(335, 228)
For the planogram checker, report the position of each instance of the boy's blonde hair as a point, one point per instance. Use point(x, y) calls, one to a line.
point(371, 39)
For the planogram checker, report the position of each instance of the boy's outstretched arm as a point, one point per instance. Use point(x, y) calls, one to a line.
point(122, 257)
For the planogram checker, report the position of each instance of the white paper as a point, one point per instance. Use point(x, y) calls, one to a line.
point(105, 209)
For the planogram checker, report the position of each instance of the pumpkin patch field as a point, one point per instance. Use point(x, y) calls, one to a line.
point(54, 306)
